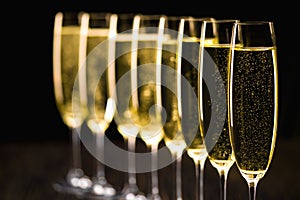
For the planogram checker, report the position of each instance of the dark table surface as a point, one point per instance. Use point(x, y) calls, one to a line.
point(28, 168)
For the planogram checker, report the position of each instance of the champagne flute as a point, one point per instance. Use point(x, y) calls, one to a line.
point(67, 39)
point(214, 56)
point(171, 100)
point(99, 103)
point(253, 99)
point(125, 28)
point(149, 54)
point(181, 54)
point(189, 69)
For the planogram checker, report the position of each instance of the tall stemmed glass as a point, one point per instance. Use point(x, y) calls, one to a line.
point(189, 69)
point(67, 39)
point(174, 96)
point(214, 57)
point(125, 29)
point(99, 103)
point(182, 130)
point(149, 54)
point(253, 99)
point(171, 100)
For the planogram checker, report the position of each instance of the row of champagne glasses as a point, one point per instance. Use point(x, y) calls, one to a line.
point(239, 71)
point(175, 89)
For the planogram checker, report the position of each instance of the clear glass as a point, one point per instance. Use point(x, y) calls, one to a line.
point(148, 93)
point(214, 57)
point(125, 80)
point(253, 99)
point(180, 96)
point(173, 137)
point(99, 102)
point(189, 69)
point(67, 39)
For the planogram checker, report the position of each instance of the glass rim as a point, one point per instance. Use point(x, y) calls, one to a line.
point(221, 21)
point(199, 19)
point(126, 15)
point(151, 16)
point(254, 22)
point(188, 18)
point(99, 15)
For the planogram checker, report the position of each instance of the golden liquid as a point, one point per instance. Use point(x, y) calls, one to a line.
point(197, 152)
point(138, 111)
point(220, 154)
point(149, 119)
point(190, 110)
point(67, 99)
point(182, 125)
point(126, 115)
point(254, 109)
point(100, 109)
point(176, 145)
point(149, 113)
point(173, 135)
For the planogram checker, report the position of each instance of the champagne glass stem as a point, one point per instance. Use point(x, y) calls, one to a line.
point(75, 170)
point(178, 177)
point(100, 178)
point(223, 183)
point(252, 190)
point(131, 161)
point(130, 186)
point(100, 170)
point(154, 174)
point(76, 149)
point(199, 172)
point(198, 190)
point(202, 164)
point(174, 194)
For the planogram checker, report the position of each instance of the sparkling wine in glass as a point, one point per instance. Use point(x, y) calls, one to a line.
point(214, 57)
point(173, 137)
point(180, 97)
point(149, 54)
point(190, 71)
point(253, 99)
point(99, 103)
point(125, 28)
point(171, 100)
point(67, 39)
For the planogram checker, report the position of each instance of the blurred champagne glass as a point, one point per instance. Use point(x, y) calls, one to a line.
point(125, 30)
point(171, 100)
point(190, 71)
point(99, 103)
point(67, 39)
point(149, 54)
point(253, 99)
point(180, 75)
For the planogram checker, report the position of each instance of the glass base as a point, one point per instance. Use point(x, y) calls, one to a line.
point(131, 196)
point(101, 189)
point(75, 183)
point(154, 197)
point(93, 196)
point(131, 192)
point(62, 186)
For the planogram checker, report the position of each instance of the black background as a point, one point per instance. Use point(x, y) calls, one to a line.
point(27, 97)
